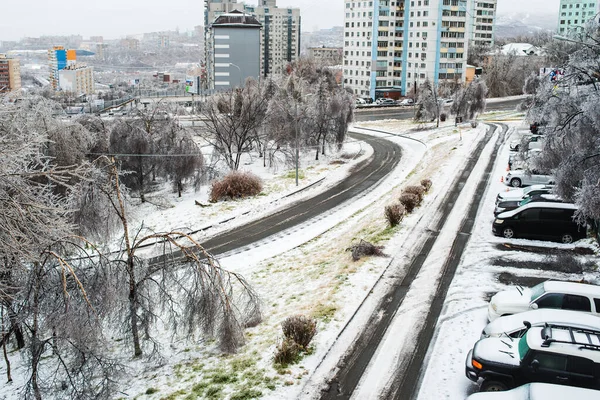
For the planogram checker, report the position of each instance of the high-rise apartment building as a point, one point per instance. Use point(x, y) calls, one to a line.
point(58, 59)
point(279, 36)
point(483, 17)
point(574, 14)
point(394, 46)
point(10, 74)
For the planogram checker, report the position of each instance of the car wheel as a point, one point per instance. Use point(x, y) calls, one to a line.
point(567, 238)
point(515, 182)
point(508, 233)
point(493, 386)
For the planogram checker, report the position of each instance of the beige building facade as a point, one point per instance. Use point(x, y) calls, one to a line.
point(77, 79)
point(10, 74)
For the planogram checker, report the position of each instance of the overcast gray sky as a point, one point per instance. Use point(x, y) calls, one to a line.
point(117, 18)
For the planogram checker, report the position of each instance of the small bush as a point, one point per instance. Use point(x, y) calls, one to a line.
point(236, 185)
point(394, 214)
point(474, 124)
point(409, 201)
point(365, 248)
point(426, 184)
point(418, 191)
point(288, 352)
point(299, 328)
point(443, 117)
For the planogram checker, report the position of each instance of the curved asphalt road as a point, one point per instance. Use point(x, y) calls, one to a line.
point(386, 156)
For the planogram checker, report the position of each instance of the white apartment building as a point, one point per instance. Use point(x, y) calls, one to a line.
point(279, 36)
point(395, 45)
point(77, 79)
point(483, 16)
point(574, 14)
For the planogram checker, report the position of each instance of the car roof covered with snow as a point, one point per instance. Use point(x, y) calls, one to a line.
point(572, 288)
point(539, 391)
point(539, 204)
point(514, 322)
point(572, 342)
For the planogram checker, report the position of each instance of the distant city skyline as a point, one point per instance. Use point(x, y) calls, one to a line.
point(115, 19)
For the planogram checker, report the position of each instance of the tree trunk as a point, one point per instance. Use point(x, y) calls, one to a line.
point(130, 268)
point(179, 187)
point(16, 328)
point(4, 340)
point(137, 349)
point(36, 345)
point(141, 179)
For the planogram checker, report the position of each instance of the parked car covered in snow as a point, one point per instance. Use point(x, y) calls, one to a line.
point(520, 193)
point(504, 206)
point(386, 102)
point(533, 141)
point(550, 294)
point(520, 178)
point(539, 391)
point(545, 354)
point(515, 327)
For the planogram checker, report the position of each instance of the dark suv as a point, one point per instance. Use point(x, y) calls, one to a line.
point(540, 220)
point(560, 355)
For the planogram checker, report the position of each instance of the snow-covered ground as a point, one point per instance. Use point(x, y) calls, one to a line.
point(309, 271)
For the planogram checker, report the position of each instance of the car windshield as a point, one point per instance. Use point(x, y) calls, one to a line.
point(523, 347)
point(537, 291)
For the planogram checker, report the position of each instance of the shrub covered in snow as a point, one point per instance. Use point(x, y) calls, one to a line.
point(409, 201)
point(299, 328)
point(426, 184)
point(288, 352)
point(365, 248)
point(394, 214)
point(418, 191)
point(236, 185)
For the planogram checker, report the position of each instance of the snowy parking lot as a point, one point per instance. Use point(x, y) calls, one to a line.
point(489, 265)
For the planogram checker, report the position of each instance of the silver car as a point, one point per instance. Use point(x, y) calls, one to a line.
point(519, 178)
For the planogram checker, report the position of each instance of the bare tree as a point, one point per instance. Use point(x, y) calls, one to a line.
point(44, 296)
point(470, 101)
point(428, 107)
point(185, 160)
point(567, 112)
point(185, 283)
point(232, 119)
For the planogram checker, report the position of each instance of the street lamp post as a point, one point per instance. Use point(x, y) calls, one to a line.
point(297, 146)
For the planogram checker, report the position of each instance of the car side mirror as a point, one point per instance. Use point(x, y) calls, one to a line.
point(535, 365)
point(533, 306)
